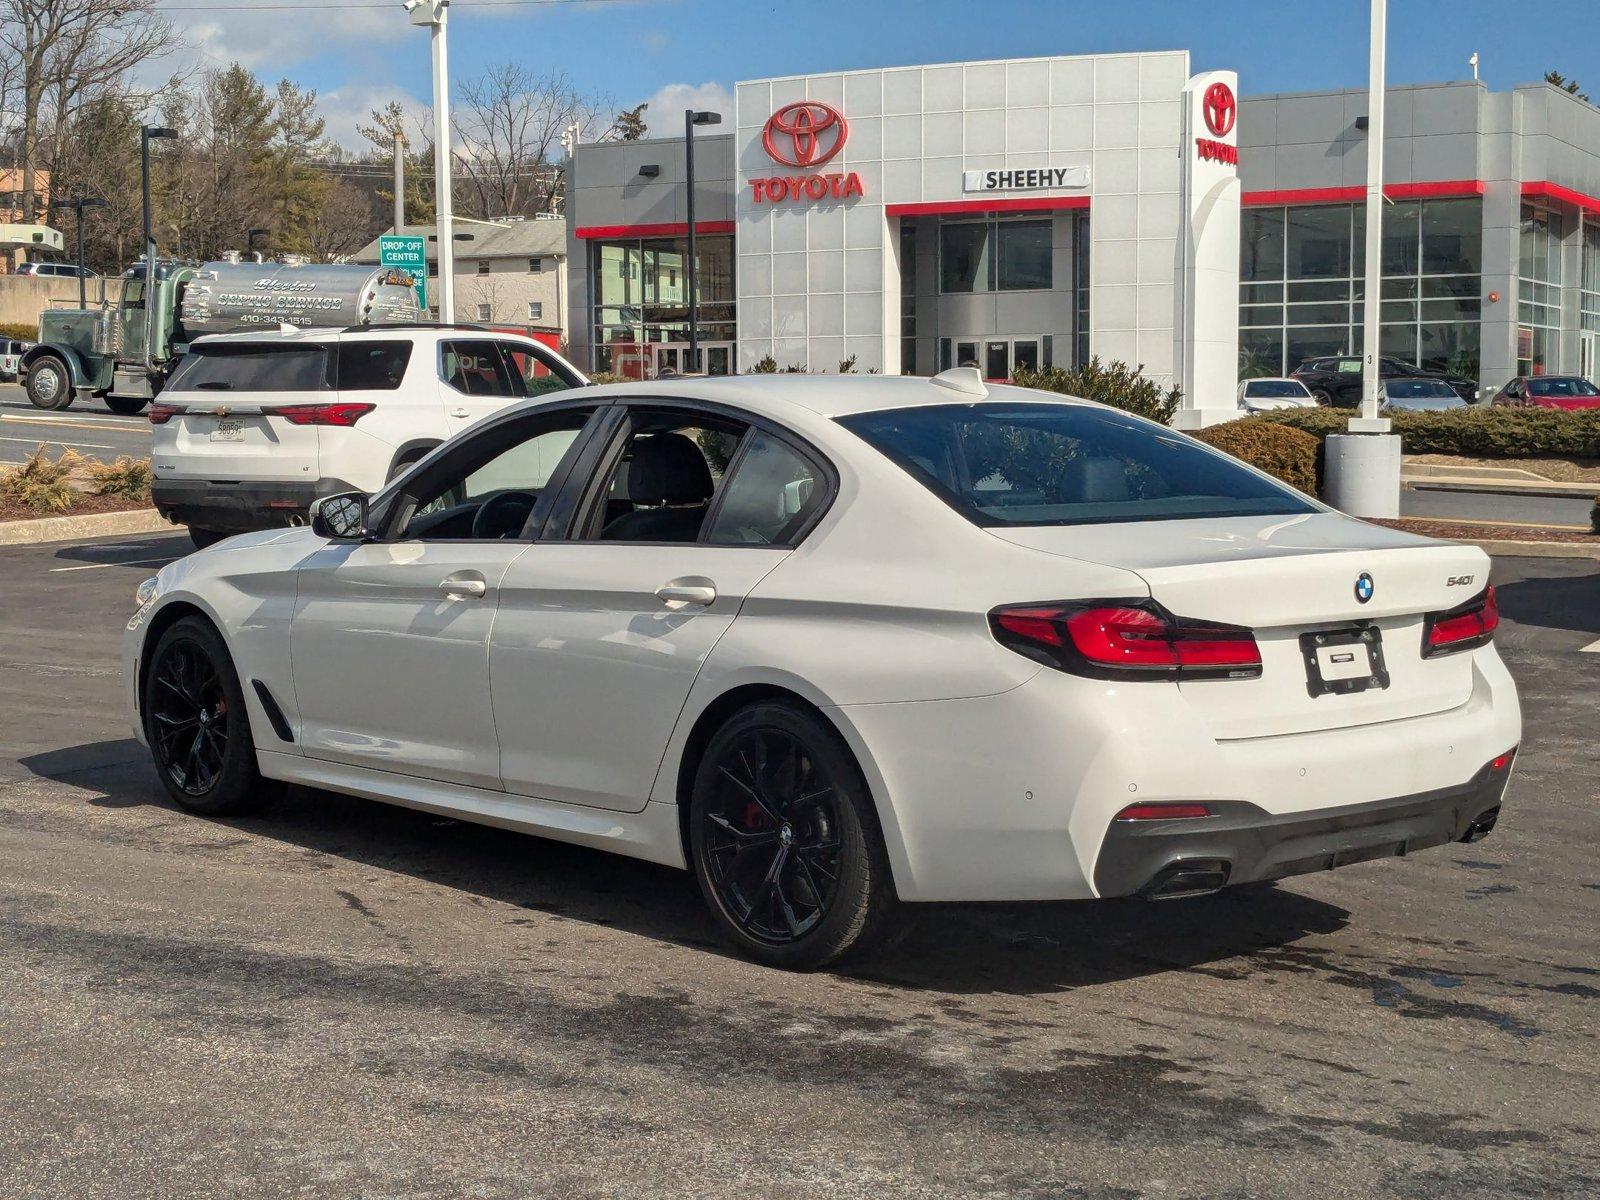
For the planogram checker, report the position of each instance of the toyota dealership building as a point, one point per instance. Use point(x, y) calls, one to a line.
point(1037, 211)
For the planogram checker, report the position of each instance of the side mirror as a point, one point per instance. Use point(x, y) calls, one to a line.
point(341, 518)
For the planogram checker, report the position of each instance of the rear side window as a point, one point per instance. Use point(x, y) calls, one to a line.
point(1067, 464)
point(771, 497)
point(252, 367)
point(372, 366)
point(477, 369)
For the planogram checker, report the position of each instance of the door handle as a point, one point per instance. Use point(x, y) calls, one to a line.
point(687, 592)
point(464, 587)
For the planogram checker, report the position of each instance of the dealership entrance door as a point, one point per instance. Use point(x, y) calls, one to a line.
point(674, 357)
point(997, 357)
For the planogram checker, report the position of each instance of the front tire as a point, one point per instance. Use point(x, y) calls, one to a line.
point(197, 725)
point(126, 406)
point(785, 840)
point(50, 384)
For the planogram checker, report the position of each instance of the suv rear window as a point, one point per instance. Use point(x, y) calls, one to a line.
point(1067, 464)
point(252, 367)
point(373, 366)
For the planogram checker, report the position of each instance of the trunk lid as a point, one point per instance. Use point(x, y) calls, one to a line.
point(1288, 576)
point(236, 436)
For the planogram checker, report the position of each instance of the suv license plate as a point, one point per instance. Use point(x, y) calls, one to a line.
point(228, 430)
point(1345, 660)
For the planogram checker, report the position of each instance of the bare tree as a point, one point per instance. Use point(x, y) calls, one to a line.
point(508, 127)
point(64, 51)
point(341, 224)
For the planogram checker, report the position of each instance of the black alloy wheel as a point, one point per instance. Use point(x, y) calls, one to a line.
point(786, 843)
point(197, 724)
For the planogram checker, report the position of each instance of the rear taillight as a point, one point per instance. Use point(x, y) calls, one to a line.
point(342, 415)
point(1464, 628)
point(1163, 812)
point(1126, 638)
point(160, 414)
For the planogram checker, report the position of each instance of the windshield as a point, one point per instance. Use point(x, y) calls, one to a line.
point(1275, 388)
point(1562, 387)
point(1066, 464)
point(1417, 387)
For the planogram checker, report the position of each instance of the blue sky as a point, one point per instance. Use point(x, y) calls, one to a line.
point(678, 51)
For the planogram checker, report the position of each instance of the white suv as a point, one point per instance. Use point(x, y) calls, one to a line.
point(253, 427)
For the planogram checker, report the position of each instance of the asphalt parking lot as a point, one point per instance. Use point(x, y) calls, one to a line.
point(339, 998)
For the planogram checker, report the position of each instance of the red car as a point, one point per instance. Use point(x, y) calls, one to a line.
point(1549, 391)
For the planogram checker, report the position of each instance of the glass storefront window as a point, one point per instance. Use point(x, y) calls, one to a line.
point(1261, 244)
point(1319, 242)
point(1452, 237)
point(964, 257)
point(1023, 261)
point(640, 294)
point(1401, 245)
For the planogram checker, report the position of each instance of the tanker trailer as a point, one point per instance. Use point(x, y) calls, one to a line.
point(110, 352)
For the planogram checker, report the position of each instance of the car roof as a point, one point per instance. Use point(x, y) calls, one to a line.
point(827, 395)
point(327, 333)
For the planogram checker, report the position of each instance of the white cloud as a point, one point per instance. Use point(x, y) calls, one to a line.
point(664, 116)
point(346, 108)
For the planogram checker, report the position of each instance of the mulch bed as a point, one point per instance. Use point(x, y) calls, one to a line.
point(1474, 532)
point(11, 511)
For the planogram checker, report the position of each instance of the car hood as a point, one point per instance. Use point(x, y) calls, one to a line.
point(295, 535)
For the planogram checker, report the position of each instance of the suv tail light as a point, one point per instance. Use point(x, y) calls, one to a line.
point(1464, 628)
point(160, 414)
point(341, 415)
point(1119, 639)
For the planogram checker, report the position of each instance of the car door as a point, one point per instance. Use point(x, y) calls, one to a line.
point(390, 639)
point(605, 622)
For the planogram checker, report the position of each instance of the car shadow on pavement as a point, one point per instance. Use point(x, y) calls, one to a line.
point(1559, 602)
point(955, 948)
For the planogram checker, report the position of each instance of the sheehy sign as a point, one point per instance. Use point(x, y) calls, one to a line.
point(1025, 179)
point(805, 135)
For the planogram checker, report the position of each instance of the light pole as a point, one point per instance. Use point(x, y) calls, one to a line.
point(146, 133)
point(250, 240)
point(78, 206)
point(435, 14)
point(692, 274)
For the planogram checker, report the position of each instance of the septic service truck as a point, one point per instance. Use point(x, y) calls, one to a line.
point(124, 352)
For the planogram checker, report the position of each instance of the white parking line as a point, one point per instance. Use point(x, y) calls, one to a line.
point(74, 441)
point(126, 562)
point(1592, 648)
point(77, 422)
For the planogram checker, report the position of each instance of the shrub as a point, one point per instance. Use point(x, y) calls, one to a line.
point(599, 377)
point(1289, 454)
point(42, 483)
point(1114, 383)
point(1478, 432)
point(20, 331)
point(126, 478)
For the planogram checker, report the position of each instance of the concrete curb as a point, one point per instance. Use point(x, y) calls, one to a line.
point(38, 530)
point(1506, 549)
point(1489, 487)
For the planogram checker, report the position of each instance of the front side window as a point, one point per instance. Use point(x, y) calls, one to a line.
point(372, 366)
point(476, 368)
point(532, 374)
point(1067, 464)
point(488, 487)
point(772, 495)
point(252, 367)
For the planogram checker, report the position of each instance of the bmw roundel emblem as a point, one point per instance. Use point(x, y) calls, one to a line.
point(1364, 587)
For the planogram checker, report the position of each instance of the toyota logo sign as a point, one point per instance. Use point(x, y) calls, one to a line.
point(807, 133)
point(1219, 108)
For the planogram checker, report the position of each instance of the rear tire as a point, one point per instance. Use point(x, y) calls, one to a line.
point(785, 840)
point(205, 537)
point(50, 384)
point(126, 406)
point(197, 724)
point(1323, 399)
point(405, 462)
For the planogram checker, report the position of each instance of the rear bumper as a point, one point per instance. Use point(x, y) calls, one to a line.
point(1241, 843)
point(240, 507)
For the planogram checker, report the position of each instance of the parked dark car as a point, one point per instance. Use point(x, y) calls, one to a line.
point(1336, 380)
point(1568, 392)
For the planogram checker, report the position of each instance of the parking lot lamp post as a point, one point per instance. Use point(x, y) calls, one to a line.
point(435, 14)
point(78, 205)
point(146, 133)
point(691, 118)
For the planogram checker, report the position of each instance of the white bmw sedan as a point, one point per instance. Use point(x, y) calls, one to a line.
point(838, 644)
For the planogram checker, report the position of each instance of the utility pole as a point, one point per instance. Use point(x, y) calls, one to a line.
point(399, 180)
point(435, 14)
